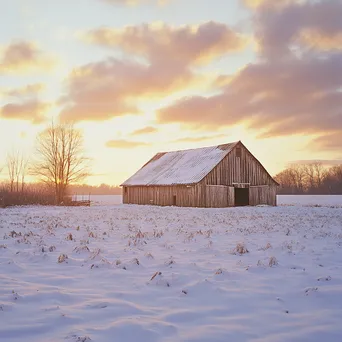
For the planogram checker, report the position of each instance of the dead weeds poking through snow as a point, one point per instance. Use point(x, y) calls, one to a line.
point(268, 246)
point(62, 258)
point(157, 234)
point(159, 280)
point(149, 256)
point(69, 237)
point(80, 249)
point(219, 271)
point(94, 253)
point(273, 261)
point(240, 249)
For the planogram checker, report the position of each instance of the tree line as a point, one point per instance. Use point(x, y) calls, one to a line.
point(311, 178)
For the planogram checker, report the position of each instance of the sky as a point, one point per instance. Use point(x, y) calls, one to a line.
point(143, 76)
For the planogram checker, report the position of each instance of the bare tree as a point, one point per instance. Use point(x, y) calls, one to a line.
point(60, 158)
point(320, 173)
point(298, 177)
point(17, 169)
point(11, 169)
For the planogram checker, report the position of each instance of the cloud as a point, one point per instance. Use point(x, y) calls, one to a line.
point(30, 110)
point(278, 98)
point(329, 142)
point(124, 144)
point(110, 88)
point(286, 90)
point(199, 139)
point(24, 104)
point(107, 89)
point(326, 162)
point(28, 90)
point(269, 3)
point(23, 56)
point(165, 44)
point(299, 25)
point(145, 130)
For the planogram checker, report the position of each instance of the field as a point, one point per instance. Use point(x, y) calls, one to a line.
point(131, 273)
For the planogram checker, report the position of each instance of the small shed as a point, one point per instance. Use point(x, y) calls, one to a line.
point(213, 177)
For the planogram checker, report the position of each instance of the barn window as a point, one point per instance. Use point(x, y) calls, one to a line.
point(174, 200)
point(238, 152)
point(125, 190)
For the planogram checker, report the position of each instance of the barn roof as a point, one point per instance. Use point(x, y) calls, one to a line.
point(180, 167)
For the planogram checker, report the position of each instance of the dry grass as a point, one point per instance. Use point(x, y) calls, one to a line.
point(240, 249)
point(273, 261)
point(69, 237)
point(62, 258)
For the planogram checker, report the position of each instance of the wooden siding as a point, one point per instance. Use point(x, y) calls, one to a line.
point(216, 196)
point(231, 196)
point(186, 196)
point(266, 194)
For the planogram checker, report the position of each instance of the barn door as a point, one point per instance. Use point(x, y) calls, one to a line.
point(174, 200)
point(241, 197)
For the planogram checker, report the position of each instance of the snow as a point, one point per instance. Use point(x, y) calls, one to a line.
point(282, 200)
point(180, 167)
point(310, 200)
point(141, 273)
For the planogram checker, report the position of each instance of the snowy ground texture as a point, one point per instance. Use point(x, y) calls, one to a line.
point(133, 273)
point(289, 200)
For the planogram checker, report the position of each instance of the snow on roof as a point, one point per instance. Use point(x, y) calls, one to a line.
point(179, 167)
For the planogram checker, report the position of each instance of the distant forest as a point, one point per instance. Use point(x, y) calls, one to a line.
point(310, 179)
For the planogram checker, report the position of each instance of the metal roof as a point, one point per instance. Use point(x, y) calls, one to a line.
point(180, 167)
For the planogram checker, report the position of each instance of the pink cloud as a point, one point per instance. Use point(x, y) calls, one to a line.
point(145, 130)
point(30, 110)
point(110, 88)
point(286, 91)
point(163, 43)
point(23, 56)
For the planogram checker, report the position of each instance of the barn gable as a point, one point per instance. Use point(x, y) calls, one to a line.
point(239, 166)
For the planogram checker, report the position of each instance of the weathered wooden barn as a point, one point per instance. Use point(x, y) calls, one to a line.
point(214, 177)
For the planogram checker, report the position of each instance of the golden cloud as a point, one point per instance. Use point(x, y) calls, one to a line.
point(22, 57)
point(198, 44)
point(276, 98)
point(28, 90)
point(30, 110)
point(110, 88)
point(145, 130)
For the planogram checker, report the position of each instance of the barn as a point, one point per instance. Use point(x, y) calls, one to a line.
point(213, 177)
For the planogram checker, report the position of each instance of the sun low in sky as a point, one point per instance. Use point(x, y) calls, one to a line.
point(143, 76)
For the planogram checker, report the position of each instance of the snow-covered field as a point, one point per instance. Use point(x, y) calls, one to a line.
point(311, 200)
point(131, 273)
point(302, 200)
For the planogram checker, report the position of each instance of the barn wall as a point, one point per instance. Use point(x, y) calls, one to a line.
point(186, 196)
point(231, 196)
point(244, 169)
point(216, 196)
point(263, 195)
